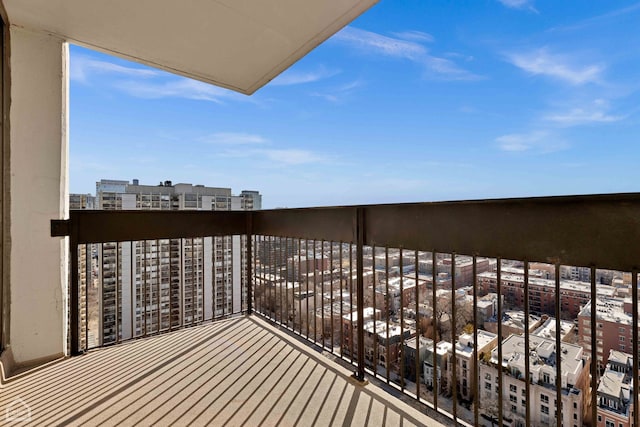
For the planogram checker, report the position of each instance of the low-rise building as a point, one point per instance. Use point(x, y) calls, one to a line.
point(542, 367)
point(438, 360)
point(615, 404)
point(466, 362)
point(349, 326)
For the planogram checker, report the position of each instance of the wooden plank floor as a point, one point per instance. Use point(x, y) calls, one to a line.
point(237, 372)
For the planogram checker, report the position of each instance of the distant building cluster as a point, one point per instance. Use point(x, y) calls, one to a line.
point(409, 333)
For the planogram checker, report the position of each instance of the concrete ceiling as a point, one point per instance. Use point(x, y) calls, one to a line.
point(237, 44)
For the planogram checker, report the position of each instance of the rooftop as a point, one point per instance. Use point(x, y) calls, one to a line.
point(548, 328)
point(620, 357)
point(464, 346)
point(542, 357)
point(613, 383)
point(608, 309)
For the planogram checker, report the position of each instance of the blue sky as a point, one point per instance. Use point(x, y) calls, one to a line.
point(414, 101)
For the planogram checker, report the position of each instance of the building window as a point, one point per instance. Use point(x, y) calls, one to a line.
point(621, 338)
point(575, 405)
point(513, 398)
point(487, 386)
point(609, 423)
point(544, 409)
point(513, 388)
point(544, 398)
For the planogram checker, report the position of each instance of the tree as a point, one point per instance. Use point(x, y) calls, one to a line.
point(468, 328)
point(426, 329)
point(442, 312)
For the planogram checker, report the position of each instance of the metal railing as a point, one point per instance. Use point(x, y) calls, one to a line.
point(401, 291)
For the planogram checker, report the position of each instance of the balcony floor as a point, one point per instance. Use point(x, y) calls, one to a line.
point(236, 372)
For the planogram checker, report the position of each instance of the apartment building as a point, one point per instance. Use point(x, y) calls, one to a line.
point(464, 269)
point(615, 405)
point(438, 359)
point(82, 201)
point(542, 396)
point(395, 293)
point(542, 296)
point(178, 281)
point(411, 349)
point(613, 327)
point(387, 338)
point(465, 361)
point(349, 326)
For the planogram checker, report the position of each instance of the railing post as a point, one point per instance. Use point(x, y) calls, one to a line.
point(74, 299)
point(248, 257)
point(359, 229)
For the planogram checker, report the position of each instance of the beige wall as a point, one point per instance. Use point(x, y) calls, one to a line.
point(38, 188)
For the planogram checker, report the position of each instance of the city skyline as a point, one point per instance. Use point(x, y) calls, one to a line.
point(411, 102)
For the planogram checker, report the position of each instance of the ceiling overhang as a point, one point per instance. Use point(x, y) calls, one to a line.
point(236, 44)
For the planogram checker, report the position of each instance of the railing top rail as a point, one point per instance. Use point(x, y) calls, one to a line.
point(601, 230)
point(96, 226)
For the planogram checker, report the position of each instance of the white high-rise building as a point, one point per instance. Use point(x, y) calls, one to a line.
point(150, 286)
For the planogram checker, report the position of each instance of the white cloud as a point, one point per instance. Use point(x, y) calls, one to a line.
point(339, 93)
point(448, 70)
point(541, 62)
point(147, 83)
point(234, 138)
point(596, 112)
point(377, 44)
point(537, 141)
point(82, 67)
point(278, 156)
point(599, 19)
point(458, 55)
point(178, 87)
point(293, 77)
point(292, 156)
point(519, 4)
point(414, 35)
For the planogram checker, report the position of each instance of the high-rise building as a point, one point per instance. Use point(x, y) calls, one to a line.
point(154, 285)
point(82, 201)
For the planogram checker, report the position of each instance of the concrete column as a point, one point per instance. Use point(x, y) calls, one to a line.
point(38, 167)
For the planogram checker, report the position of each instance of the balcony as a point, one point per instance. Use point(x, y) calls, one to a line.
point(236, 330)
point(241, 371)
point(287, 266)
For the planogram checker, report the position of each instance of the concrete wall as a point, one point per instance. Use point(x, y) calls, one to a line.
point(39, 190)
